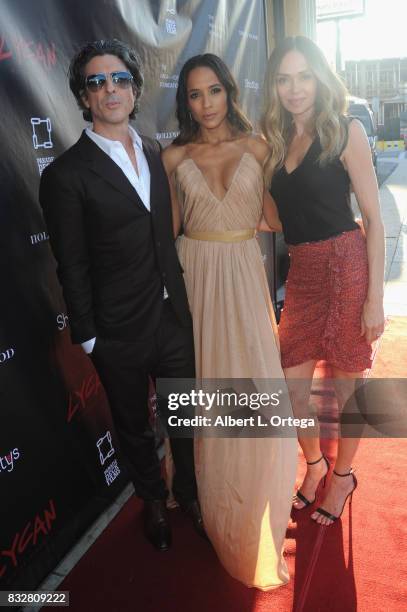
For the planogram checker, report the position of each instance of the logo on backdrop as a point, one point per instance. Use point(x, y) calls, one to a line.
point(216, 30)
point(105, 447)
point(166, 135)
point(62, 321)
point(78, 399)
point(23, 50)
point(28, 536)
point(249, 35)
point(43, 162)
point(171, 24)
point(6, 355)
point(42, 133)
point(106, 450)
point(170, 81)
point(40, 237)
point(5, 53)
point(7, 462)
point(251, 85)
point(42, 139)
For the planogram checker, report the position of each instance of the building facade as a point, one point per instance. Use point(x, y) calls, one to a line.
point(383, 83)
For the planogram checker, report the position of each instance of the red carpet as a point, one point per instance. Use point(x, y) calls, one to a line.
point(359, 563)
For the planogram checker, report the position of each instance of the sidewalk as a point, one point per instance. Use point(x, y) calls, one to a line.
point(393, 198)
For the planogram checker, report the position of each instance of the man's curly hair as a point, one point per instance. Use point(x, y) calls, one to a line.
point(104, 47)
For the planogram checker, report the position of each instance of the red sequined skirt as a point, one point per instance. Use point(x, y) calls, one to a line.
point(325, 291)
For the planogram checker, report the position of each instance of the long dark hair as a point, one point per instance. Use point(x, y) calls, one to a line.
point(76, 71)
point(189, 128)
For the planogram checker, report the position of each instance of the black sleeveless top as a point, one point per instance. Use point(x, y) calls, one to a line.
point(313, 201)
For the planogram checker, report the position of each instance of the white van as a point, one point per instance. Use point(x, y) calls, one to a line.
point(359, 108)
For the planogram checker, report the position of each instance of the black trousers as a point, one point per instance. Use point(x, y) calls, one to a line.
point(124, 369)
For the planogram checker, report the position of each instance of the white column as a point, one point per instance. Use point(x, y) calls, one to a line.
point(300, 18)
point(308, 18)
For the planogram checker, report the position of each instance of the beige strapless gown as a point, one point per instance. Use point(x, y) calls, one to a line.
point(245, 485)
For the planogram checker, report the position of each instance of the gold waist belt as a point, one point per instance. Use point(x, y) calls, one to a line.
point(230, 236)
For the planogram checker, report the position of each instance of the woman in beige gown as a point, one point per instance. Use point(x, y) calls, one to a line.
point(245, 485)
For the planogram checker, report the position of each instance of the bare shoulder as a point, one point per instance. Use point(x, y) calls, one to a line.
point(356, 133)
point(258, 146)
point(172, 156)
point(357, 139)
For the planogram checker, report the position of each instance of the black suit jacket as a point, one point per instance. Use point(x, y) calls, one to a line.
point(113, 255)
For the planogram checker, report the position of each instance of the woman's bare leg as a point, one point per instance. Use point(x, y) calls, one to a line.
point(340, 487)
point(299, 381)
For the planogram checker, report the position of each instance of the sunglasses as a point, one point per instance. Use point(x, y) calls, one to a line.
point(95, 82)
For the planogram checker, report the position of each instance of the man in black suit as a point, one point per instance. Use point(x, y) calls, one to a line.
point(106, 202)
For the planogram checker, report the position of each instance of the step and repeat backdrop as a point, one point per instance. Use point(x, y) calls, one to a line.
point(60, 463)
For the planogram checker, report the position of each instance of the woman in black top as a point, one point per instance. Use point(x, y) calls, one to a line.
point(334, 295)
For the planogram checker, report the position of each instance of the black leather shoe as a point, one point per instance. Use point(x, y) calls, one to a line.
point(156, 525)
point(193, 510)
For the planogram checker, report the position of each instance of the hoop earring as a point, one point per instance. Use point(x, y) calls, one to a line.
point(190, 116)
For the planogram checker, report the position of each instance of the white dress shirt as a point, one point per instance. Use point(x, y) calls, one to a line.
point(116, 151)
point(141, 181)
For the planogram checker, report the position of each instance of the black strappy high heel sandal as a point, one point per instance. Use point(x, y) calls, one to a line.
point(302, 497)
point(330, 516)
